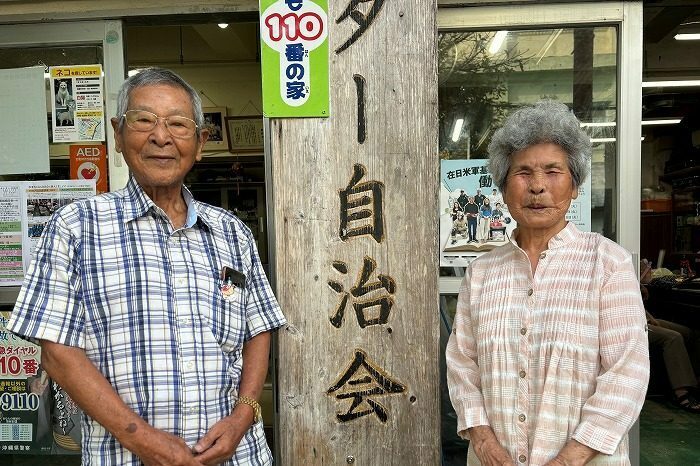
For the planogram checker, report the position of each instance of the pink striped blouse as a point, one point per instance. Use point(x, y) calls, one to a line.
point(558, 354)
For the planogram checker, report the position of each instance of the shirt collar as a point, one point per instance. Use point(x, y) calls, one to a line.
point(137, 204)
point(566, 235)
point(136, 201)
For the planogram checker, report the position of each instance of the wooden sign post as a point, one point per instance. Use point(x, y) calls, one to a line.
point(356, 210)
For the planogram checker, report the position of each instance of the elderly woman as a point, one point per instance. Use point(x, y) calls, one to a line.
point(548, 360)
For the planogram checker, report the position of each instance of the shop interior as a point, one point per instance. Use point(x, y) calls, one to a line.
point(219, 55)
point(482, 75)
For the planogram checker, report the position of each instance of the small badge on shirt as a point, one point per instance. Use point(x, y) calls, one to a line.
point(230, 280)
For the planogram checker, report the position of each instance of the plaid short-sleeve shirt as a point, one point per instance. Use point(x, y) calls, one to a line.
point(145, 302)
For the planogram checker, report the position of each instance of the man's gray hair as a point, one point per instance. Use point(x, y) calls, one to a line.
point(545, 121)
point(155, 77)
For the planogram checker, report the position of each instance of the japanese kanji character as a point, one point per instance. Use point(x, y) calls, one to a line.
point(353, 211)
point(362, 287)
point(295, 90)
point(485, 181)
point(294, 52)
point(363, 381)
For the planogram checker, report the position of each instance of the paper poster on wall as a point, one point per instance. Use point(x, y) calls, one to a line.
point(42, 199)
point(24, 136)
point(77, 107)
point(89, 163)
point(25, 396)
point(26, 207)
point(11, 267)
point(38, 417)
point(294, 46)
point(474, 217)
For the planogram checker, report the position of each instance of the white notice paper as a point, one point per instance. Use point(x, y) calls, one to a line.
point(24, 134)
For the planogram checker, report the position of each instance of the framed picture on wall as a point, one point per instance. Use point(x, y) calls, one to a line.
point(245, 134)
point(214, 121)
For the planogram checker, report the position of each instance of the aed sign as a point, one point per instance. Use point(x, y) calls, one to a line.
point(89, 162)
point(294, 43)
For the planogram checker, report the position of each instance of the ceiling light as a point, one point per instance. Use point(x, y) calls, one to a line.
point(687, 83)
point(597, 124)
point(687, 36)
point(497, 42)
point(223, 25)
point(457, 130)
point(595, 140)
point(661, 121)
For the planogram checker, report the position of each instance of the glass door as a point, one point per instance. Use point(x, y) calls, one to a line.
point(80, 43)
point(492, 60)
point(40, 419)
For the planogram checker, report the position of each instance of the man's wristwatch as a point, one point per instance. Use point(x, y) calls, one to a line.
point(246, 400)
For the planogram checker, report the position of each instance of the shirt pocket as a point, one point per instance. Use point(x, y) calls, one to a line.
point(225, 319)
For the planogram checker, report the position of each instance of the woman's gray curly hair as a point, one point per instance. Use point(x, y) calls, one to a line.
point(545, 121)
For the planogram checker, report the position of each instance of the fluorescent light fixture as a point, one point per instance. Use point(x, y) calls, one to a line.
point(686, 83)
point(661, 121)
point(457, 130)
point(223, 25)
point(687, 36)
point(497, 42)
point(134, 72)
point(594, 140)
point(598, 124)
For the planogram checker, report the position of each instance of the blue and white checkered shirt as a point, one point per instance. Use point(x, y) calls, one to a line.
point(145, 303)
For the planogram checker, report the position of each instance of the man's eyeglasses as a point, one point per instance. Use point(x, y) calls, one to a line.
point(178, 126)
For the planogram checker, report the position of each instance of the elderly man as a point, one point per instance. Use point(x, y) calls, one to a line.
point(548, 361)
point(152, 309)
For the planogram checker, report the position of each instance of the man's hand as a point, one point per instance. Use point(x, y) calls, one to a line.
point(487, 447)
point(573, 454)
point(221, 441)
point(158, 448)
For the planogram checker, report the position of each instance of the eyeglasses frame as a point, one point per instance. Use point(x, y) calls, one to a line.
point(165, 121)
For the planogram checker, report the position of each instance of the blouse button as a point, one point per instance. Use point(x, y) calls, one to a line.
point(529, 292)
point(522, 374)
point(521, 418)
point(523, 331)
point(522, 458)
point(543, 255)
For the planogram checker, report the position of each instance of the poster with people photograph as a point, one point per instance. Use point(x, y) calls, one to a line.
point(474, 218)
point(214, 122)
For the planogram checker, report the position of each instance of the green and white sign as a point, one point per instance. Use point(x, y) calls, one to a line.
point(294, 43)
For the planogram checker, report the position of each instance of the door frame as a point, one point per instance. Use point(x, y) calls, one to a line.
point(109, 35)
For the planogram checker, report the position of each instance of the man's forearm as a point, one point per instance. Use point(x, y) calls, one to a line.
point(256, 352)
point(78, 376)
